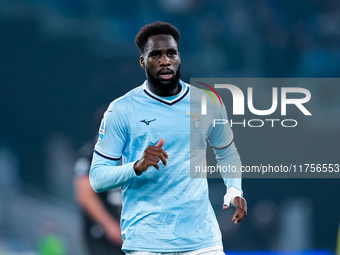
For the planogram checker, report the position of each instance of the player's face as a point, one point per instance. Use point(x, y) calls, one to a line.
point(161, 61)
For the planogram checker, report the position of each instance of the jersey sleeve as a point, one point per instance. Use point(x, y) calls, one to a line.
point(230, 159)
point(221, 136)
point(105, 174)
point(112, 134)
point(221, 139)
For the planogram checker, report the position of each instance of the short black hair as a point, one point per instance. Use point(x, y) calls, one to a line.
point(157, 28)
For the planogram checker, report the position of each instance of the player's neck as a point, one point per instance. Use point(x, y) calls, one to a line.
point(165, 91)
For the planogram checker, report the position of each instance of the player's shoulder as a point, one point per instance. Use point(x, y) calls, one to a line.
point(124, 102)
point(211, 97)
point(193, 89)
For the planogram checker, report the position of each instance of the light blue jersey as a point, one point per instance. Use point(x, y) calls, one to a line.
point(164, 210)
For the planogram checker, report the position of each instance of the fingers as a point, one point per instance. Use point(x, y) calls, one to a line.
point(151, 157)
point(154, 154)
point(225, 207)
point(241, 209)
point(150, 160)
point(160, 143)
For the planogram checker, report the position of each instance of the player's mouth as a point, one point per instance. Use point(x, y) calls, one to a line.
point(166, 74)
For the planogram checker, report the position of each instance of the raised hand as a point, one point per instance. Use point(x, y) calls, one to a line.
point(151, 156)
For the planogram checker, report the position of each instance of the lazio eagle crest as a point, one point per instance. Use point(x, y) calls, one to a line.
point(197, 119)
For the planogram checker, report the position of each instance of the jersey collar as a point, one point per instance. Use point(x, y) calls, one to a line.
point(167, 100)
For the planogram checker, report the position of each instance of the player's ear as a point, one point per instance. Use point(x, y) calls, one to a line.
point(142, 62)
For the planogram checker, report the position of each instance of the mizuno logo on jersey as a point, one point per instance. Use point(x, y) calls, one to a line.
point(147, 122)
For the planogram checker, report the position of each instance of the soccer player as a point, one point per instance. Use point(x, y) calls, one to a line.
point(165, 210)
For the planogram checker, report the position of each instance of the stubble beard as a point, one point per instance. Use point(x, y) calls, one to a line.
point(161, 88)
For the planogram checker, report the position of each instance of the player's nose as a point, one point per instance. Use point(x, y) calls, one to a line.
point(164, 60)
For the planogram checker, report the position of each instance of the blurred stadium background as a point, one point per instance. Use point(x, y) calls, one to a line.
point(62, 59)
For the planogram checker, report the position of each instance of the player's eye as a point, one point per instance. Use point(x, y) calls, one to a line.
point(154, 54)
point(172, 53)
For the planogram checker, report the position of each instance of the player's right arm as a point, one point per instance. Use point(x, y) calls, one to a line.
point(105, 173)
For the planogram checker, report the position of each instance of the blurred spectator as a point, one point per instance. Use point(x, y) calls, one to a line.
point(100, 212)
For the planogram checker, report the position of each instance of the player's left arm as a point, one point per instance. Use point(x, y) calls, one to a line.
point(229, 161)
point(221, 139)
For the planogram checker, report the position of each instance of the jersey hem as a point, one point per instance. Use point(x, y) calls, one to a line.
point(191, 248)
